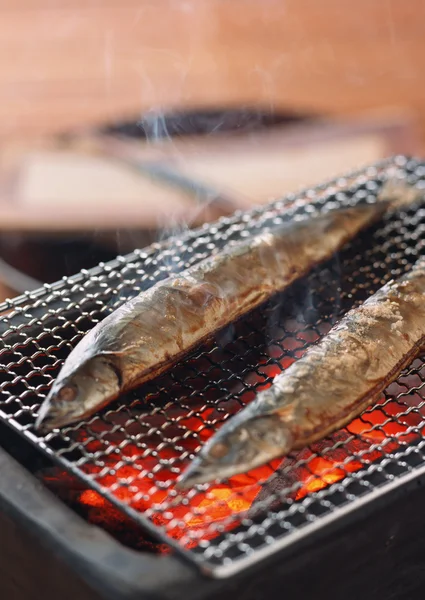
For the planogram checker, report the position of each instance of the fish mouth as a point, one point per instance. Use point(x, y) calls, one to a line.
point(202, 470)
point(50, 418)
point(194, 475)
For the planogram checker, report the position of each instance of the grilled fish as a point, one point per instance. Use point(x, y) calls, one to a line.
point(333, 382)
point(146, 335)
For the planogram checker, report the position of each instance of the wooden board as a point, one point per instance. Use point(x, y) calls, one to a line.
point(87, 184)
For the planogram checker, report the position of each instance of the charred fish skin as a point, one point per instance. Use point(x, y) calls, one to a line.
point(149, 333)
point(332, 383)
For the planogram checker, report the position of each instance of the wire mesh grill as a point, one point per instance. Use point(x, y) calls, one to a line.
point(133, 451)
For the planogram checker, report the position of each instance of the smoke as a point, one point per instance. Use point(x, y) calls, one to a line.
point(202, 201)
point(155, 126)
point(307, 310)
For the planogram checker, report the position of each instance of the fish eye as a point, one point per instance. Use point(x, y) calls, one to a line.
point(67, 393)
point(219, 450)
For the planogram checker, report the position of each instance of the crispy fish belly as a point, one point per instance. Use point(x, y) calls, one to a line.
point(149, 333)
point(333, 382)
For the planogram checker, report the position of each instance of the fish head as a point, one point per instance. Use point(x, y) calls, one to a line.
point(79, 393)
point(235, 449)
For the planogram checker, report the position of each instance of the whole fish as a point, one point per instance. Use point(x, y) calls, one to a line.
point(332, 383)
point(149, 333)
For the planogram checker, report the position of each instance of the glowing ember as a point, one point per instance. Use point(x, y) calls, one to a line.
point(141, 473)
point(91, 498)
point(324, 473)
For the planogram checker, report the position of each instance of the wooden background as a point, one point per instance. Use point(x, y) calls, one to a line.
point(69, 64)
point(64, 63)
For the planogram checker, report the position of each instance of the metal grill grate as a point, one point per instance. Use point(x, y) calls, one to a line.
point(133, 452)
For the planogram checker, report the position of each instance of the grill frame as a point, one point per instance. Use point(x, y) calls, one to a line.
point(89, 563)
point(23, 303)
